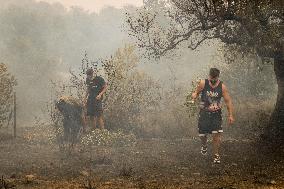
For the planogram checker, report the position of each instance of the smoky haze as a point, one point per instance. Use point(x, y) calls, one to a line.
point(40, 42)
point(96, 5)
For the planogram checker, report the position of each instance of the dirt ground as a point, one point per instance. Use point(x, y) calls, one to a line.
point(151, 163)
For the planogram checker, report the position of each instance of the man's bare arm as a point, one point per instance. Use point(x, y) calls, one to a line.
point(229, 103)
point(86, 97)
point(102, 92)
point(104, 89)
point(198, 89)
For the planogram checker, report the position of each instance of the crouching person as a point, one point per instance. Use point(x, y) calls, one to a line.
point(73, 121)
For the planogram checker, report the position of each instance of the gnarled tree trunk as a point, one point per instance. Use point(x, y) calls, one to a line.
point(275, 130)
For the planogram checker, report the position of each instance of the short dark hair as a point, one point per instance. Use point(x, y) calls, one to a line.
point(214, 72)
point(90, 71)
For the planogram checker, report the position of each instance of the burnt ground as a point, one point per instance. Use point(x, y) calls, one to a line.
point(150, 163)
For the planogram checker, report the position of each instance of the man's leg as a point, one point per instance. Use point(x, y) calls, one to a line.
point(66, 131)
point(99, 114)
point(94, 122)
point(91, 114)
point(203, 130)
point(217, 134)
point(216, 142)
point(84, 123)
point(203, 139)
point(101, 122)
point(216, 146)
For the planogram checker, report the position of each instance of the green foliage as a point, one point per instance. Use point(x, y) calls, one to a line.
point(192, 106)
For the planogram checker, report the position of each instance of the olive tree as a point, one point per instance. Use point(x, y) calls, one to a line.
point(249, 27)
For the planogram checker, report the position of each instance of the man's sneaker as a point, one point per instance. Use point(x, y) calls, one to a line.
point(203, 150)
point(217, 159)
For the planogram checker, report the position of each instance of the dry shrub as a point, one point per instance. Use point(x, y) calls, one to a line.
point(7, 84)
point(132, 95)
point(172, 118)
point(131, 98)
point(252, 116)
point(40, 134)
point(135, 102)
point(48, 134)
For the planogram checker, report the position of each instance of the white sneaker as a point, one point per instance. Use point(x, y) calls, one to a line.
point(203, 150)
point(217, 159)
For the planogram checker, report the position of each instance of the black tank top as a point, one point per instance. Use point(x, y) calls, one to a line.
point(211, 97)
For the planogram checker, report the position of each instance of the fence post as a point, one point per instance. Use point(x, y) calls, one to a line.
point(15, 116)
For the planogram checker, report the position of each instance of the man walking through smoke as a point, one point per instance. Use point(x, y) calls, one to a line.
point(210, 116)
point(96, 87)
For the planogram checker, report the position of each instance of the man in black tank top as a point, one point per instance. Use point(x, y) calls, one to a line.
point(96, 88)
point(210, 116)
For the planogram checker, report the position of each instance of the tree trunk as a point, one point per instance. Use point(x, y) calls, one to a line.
point(275, 129)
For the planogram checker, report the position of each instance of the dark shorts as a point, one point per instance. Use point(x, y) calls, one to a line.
point(209, 122)
point(94, 108)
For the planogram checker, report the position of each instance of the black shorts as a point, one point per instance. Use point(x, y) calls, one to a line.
point(94, 108)
point(209, 122)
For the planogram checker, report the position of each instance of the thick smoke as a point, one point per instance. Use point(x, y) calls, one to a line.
point(40, 42)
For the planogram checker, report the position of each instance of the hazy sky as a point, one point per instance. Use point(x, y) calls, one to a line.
point(96, 5)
